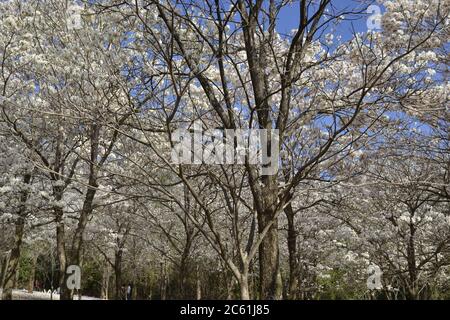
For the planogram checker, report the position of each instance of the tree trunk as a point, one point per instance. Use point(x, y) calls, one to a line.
point(412, 267)
point(77, 243)
point(105, 282)
point(17, 275)
point(230, 288)
point(5, 264)
point(183, 272)
point(10, 275)
point(270, 277)
point(12, 267)
point(86, 211)
point(292, 249)
point(118, 275)
point(32, 274)
point(244, 288)
point(134, 290)
point(163, 282)
point(199, 285)
point(269, 267)
point(65, 293)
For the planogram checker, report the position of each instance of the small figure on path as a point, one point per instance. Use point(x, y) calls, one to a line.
point(129, 290)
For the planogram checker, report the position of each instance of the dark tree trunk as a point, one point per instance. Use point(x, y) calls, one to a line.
point(292, 250)
point(269, 267)
point(77, 243)
point(412, 267)
point(5, 263)
point(12, 267)
point(65, 293)
point(182, 278)
point(10, 275)
point(270, 277)
point(86, 211)
point(185, 266)
point(118, 274)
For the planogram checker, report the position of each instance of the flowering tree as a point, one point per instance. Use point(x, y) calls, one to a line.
point(92, 98)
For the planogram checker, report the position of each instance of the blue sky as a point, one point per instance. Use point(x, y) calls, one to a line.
point(289, 17)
